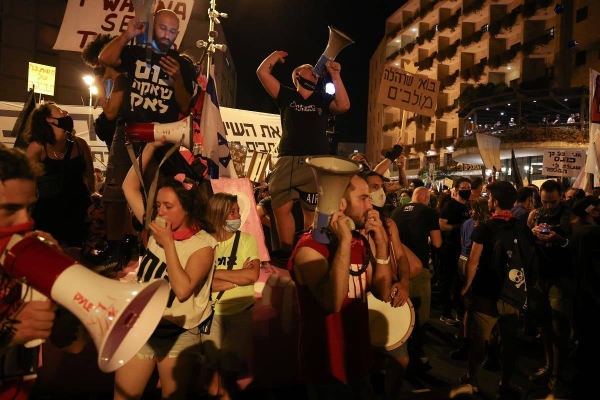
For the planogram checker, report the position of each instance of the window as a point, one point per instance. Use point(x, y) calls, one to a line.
point(435, 160)
point(413, 140)
point(437, 27)
point(431, 137)
point(550, 32)
point(455, 104)
point(580, 58)
point(582, 14)
point(485, 28)
point(550, 72)
point(449, 161)
point(414, 163)
point(454, 132)
point(483, 61)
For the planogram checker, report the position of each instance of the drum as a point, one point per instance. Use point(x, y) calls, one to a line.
point(389, 327)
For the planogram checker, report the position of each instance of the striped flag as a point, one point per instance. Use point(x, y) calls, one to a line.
point(213, 132)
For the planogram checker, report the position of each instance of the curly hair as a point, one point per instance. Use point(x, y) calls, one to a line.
point(193, 202)
point(219, 207)
point(92, 50)
point(14, 164)
point(38, 129)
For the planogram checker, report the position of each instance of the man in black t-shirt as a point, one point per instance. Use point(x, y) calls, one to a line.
point(304, 112)
point(482, 280)
point(417, 223)
point(159, 89)
point(454, 213)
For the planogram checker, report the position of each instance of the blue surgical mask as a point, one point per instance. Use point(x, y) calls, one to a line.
point(233, 225)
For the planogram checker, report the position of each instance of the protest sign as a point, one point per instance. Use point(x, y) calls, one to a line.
point(41, 77)
point(410, 92)
point(84, 19)
point(563, 162)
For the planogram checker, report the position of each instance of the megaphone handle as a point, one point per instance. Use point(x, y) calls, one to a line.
point(33, 295)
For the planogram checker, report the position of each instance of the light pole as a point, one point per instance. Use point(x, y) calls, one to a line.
point(88, 79)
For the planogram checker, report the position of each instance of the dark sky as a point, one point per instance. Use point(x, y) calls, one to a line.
point(256, 28)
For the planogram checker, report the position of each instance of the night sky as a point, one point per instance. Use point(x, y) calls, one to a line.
point(256, 28)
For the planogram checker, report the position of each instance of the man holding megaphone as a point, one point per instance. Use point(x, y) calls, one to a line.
point(304, 113)
point(332, 282)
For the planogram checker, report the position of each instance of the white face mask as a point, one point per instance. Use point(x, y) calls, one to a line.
point(233, 225)
point(378, 197)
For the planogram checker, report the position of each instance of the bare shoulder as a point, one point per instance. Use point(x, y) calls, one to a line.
point(309, 263)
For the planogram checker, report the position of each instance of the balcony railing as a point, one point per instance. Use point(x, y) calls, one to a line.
point(568, 133)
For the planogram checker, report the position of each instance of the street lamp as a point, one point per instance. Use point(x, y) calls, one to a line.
point(88, 79)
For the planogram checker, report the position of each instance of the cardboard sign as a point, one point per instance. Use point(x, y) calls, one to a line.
point(563, 162)
point(84, 19)
point(410, 92)
point(41, 77)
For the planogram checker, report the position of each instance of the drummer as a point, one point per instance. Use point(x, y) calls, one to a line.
point(332, 282)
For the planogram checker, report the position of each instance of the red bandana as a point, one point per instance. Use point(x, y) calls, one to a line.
point(185, 233)
point(505, 215)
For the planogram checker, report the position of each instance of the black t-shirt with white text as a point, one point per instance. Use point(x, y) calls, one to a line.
point(415, 221)
point(152, 94)
point(303, 123)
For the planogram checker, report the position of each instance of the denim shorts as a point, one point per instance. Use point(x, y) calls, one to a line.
point(188, 343)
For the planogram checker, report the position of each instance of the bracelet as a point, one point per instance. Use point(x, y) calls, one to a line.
point(380, 261)
point(566, 244)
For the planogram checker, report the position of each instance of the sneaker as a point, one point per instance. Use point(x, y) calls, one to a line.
point(541, 374)
point(472, 381)
point(491, 364)
point(449, 321)
point(507, 392)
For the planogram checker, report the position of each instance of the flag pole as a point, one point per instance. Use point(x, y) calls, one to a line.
point(209, 45)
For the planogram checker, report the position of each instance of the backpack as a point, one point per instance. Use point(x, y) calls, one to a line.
point(512, 261)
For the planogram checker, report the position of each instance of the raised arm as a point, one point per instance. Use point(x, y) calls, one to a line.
point(327, 283)
point(341, 102)
point(110, 106)
point(265, 72)
point(111, 53)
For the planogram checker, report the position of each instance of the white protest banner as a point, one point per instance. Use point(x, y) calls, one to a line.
point(84, 19)
point(41, 77)
point(255, 130)
point(563, 162)
point(410, 92)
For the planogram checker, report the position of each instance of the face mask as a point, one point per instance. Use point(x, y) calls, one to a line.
point(306, 84)
point(404, 200)
point(378, 197)
point(233, 225)
point(64, 123)
point(464, 194)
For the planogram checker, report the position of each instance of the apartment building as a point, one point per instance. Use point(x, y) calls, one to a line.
point(496, 60)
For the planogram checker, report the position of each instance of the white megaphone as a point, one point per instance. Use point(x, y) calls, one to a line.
point(337, 41)
point(120, 317)
point(333, 174)
point(180, 132)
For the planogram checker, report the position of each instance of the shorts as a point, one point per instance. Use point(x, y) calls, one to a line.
point(293, 179)
point(555, 296)
point(226, 346)
point(483, 323)
point(462, 268)
point(188, 342)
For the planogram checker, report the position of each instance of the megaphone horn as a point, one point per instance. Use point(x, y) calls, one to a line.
point(181, 131)
point(337, 41)
point(333, 174)
point(120, 317)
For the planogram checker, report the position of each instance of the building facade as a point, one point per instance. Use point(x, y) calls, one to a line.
point(520, 59)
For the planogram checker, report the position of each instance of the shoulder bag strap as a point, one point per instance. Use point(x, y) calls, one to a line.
point(232, 259)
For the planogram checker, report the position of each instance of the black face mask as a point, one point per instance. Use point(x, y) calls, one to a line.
point(464, 194)
point(306, 84)
point(64, 123)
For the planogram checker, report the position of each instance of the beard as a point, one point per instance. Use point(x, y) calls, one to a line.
point(163, 44)
point(359, 220)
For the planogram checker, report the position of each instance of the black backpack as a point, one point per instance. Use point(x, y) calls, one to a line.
point(513, 256)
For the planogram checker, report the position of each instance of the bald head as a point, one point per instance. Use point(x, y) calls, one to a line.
point(421, 195)
point(166, 29)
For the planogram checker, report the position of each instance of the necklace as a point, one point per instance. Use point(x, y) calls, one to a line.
point(62, 151)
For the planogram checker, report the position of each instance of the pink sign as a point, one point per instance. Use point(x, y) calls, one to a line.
point(243, 189)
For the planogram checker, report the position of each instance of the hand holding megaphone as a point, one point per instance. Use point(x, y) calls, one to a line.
point(341, 226)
